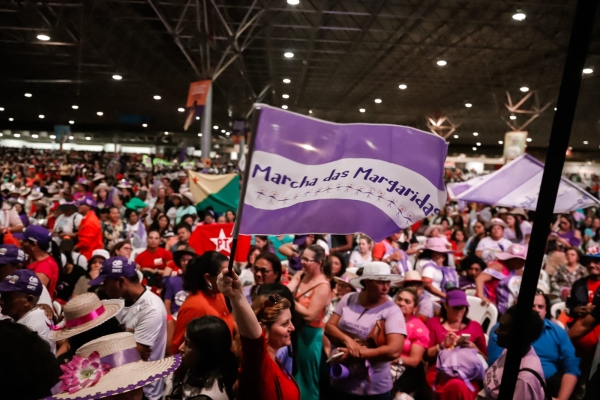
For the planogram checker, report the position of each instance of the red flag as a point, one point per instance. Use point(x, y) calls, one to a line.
point(217, 237)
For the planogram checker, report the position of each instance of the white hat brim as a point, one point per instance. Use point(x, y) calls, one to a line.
point(111, 308)
point(392, 278)
point(125, 378)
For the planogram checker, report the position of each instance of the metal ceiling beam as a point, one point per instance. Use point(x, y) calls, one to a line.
point(175, 36)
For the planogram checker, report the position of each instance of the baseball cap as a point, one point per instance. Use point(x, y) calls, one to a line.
point(88, 201)
point(22, 280)
point(38, 234)
point(100, 253)
point(114, 267)
point(11, 254)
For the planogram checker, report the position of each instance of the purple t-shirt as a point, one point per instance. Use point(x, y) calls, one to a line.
point(358, 322)
point(174, 292)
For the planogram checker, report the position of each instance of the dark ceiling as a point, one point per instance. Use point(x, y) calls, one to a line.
point(347, 53)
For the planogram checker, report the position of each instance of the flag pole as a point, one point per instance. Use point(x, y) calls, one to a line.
point(555, 158)
point(240, 209)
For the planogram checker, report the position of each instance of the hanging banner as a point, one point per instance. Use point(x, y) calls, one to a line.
point(310, 176)
point(196, 101)
point(514, 145)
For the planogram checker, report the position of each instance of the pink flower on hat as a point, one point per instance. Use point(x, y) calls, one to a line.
point(82, 372)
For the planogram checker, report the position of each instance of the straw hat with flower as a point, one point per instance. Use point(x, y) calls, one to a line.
point(108, 366)
point(83, 313)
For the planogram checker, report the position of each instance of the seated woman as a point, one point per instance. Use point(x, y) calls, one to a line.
point(351, 329)
point(529, 384)
point(445, 332)
point(408, 371)
point(208, 366)
point(264, 328)
point(437, 276)
point(554, 349)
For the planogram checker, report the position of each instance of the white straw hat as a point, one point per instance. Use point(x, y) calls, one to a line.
point(376, 271)
point(83, 313)
point(115, 365)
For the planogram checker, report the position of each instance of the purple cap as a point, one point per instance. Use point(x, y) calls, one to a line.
point(11, 254)
point(22, 280)
point(39, 235)
point(457, 298)
point(88, 201)
point(114, 267)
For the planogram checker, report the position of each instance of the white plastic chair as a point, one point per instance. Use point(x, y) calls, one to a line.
point(482, 313)
point(545, 278)
point(557, 308)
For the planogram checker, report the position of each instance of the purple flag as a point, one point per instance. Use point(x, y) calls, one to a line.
point(312, 176)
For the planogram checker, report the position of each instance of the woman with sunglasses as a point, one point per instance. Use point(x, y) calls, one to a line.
point(312, 291)
point(264, 328)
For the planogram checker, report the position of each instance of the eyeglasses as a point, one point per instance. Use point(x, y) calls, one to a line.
point(306, 260)
point(263, 271)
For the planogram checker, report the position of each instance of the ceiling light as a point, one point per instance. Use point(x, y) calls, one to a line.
point(513, 117)
point(223, 131)
point(99, 113)
point(28, 95)
point(1, 108)
point(288, 54)
point(75, 107)
point(166, 133)
point(442, 63)
point(310, 111)
point(588, 71)
point(145, 125)
point(227, 133)
point(474, 148)
point(378, 101)
point(285, 96)
point(529, 139)
point(293, 2)
point(478, 143)
point(117, 77)
point(468, 105)
point(35, 136)
point(17, 135)
point(403, 87)
point(71, 138)
point(43, 37)
point(11, 119)
point(455, 136)
point(362, 110)
point(286, 80)
point(156, 97)
point(71, 122)
point(198, 118)
point(52, 136)
point(88, 138)
point(585, 142)
point(554, 108)
point(200, 134)
point(41, 116)
point(181, 109)
point(215, 127)
point(500, 142)
point(519, 16)
point(524, 89)
point(475, 134)
point(284, 107)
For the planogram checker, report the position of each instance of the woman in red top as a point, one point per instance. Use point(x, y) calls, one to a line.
point(263, 331)
point(37, 242)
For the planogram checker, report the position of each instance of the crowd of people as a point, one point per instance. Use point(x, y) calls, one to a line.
point(102, 296)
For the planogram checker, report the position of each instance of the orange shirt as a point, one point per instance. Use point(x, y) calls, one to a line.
point(89, 236)
point(198, 305)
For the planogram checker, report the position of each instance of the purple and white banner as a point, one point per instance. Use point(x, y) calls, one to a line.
point(312, 176)
point(517, 184)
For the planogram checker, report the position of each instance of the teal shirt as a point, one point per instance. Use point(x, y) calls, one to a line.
point(184, 211)
point(278, 243)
